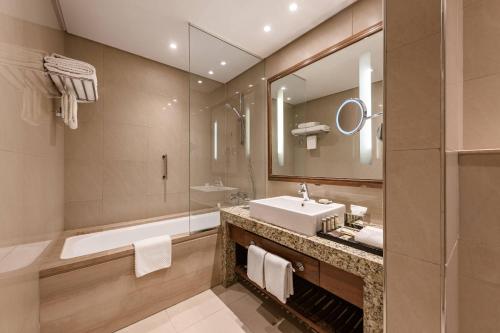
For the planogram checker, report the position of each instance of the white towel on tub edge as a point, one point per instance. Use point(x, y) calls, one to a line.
point(152, 254)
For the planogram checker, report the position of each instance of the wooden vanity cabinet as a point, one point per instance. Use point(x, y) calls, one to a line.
point(340, 283)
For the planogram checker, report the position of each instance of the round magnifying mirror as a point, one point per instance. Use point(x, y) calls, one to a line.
point(351, 116)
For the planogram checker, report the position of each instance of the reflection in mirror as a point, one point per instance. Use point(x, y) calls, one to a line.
point(310, 137)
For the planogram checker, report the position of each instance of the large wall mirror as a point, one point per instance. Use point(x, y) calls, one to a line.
point(326, 116)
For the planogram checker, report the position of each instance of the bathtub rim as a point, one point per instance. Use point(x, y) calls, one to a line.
point(53, 264)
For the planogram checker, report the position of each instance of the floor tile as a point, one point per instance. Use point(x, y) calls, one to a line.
point(157, 323)
point(193, 310)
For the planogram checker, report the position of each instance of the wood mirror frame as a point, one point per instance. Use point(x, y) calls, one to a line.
point(375, 183)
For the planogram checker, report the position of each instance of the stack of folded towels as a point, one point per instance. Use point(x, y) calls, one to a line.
point(76, 80)
point(271, 272)
point(310, 127)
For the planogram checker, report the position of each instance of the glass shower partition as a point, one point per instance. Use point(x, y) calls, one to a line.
point(227, 114)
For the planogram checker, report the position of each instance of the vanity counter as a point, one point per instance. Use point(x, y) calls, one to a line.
point(365, 265)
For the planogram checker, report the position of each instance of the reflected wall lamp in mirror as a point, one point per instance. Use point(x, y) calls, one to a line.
point(337, 88)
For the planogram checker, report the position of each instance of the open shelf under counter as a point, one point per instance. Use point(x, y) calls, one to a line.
point(351, 275)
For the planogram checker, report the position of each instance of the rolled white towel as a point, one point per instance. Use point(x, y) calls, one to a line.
point(371, 236)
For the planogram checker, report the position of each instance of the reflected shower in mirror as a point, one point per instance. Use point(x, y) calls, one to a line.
point(326, 117)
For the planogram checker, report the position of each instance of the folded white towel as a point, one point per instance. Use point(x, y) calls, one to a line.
point(77, 69)
point(255, 264)
point(309, 124)
point(311, 130)
point(372, 236)
point(278, 277)
point(152, 254)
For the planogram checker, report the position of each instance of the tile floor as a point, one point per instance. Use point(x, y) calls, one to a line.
point(220, 310)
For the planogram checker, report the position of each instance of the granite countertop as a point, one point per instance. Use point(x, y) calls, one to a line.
point(358, 262)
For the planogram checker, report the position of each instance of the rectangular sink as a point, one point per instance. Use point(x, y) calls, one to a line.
point(294, 214)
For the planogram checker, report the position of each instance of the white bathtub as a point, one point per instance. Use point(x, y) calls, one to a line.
point(111, 239)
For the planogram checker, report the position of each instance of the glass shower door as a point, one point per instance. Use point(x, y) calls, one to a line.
point(227, 101)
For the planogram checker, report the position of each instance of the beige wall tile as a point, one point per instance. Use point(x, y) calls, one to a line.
point(170, 203)
point(479, 261)
point(452, 292)
point(414, 105)
point(83, 180)
point(366, 13)
point(413, 295)
point(124, 178)
point(11, 213)
point(413, 208)
point(10, 118)
point(479, 310)
point(125, 142)
point(81, 214)
point(124, 208)
point(480, 121)
point(409, 21)
point(479, 193)
point(481, 39)
point(86, 142)
point(452, 201)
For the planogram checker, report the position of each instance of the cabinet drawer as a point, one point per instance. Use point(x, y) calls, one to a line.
point(341, 283)
point(311, 265)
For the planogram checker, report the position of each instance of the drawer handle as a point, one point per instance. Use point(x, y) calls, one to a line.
point(300, 266)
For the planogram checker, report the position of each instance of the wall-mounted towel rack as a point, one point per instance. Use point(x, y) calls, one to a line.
point(87, 92)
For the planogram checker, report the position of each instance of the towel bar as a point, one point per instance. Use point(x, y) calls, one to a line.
point(295, 266)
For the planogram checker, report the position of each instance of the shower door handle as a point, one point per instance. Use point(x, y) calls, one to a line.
point(165, 166)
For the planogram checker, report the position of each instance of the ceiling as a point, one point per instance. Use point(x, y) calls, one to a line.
point(334, 73)
point(148, 27)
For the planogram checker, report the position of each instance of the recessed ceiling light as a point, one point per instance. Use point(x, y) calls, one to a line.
point(267, 28)
point(174, 100)
point(173, 46)
point(223, 63)
point(250, 85)
point(263, 78)
point(169, 104)
point(288, 98)
point(283, 88)
point(200, 81)
point(293, 7)
point(236, 92)
point(211, 72)
point(164, 108)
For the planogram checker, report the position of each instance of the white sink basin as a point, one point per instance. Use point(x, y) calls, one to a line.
point(289, 213)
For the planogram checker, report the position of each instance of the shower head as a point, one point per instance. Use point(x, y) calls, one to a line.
point(238, 114)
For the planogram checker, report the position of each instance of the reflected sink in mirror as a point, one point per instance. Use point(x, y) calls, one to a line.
point(294, 213)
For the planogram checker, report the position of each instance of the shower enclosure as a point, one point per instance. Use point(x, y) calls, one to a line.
point(227, 117)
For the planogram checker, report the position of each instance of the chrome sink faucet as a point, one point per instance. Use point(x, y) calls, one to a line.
point(304, 191)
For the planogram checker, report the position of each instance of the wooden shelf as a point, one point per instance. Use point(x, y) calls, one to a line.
point(320, 310)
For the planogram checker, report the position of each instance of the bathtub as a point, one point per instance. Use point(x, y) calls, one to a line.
point(81, 245)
